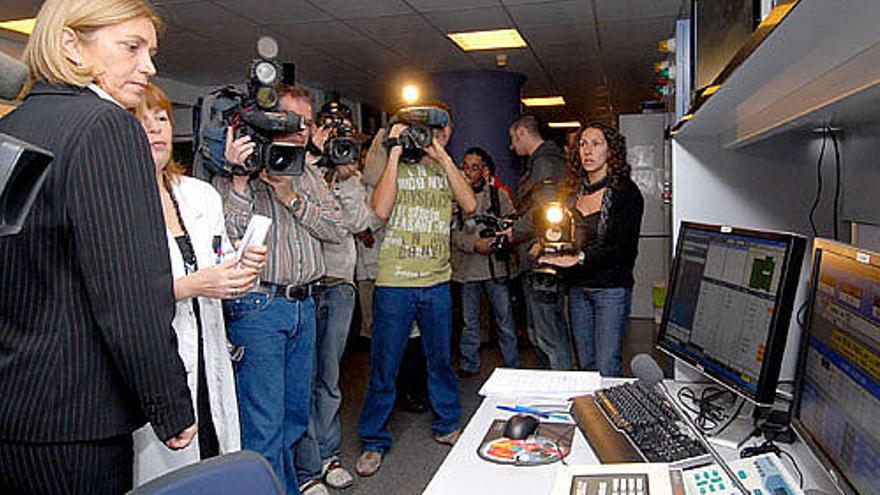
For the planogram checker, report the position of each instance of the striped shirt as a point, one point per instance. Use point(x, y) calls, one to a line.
point(295, 254)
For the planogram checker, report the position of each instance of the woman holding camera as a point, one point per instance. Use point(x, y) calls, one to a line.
point(87, 352)
point(197, 243)
point(607, 211)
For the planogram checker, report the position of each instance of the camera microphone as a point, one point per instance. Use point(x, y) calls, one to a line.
point(13, 77)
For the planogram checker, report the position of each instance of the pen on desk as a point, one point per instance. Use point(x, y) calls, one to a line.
point(536, 412)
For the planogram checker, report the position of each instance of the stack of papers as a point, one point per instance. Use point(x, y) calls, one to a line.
point(507, 382)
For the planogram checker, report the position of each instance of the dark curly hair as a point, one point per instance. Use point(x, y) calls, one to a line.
point(618, 167)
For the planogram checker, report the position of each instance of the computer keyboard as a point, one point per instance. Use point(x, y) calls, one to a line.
point(651, 424)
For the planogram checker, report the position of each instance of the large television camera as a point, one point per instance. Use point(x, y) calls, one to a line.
point(257, 114)
point(419, 134)
point(342, 147)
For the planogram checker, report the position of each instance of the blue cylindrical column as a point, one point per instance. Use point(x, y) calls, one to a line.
point(483, 102)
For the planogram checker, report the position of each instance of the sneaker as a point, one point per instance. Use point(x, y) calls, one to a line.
point(336, 476)
point(313, 487)
point(369, 463)
point(449, 438)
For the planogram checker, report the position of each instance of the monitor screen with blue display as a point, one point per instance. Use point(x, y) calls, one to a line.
point(837, 397)
point(729, 302)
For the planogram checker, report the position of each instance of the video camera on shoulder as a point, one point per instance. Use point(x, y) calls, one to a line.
point(342, 147)
point(257, 114)
point(421, 122)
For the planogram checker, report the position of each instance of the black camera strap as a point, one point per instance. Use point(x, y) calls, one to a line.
point(494, 201)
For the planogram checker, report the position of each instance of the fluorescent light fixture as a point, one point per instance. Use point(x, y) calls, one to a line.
point(571, 124)
point(25, 26)
point(544, 101)
point(488, 40)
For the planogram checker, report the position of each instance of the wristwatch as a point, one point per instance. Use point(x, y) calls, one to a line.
point(582, 257)
point(295, 203)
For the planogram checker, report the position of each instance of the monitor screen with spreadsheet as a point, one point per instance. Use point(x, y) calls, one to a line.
point(729, 302)
point(837, 394)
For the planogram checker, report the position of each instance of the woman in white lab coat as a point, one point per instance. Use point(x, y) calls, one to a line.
point(203, 275)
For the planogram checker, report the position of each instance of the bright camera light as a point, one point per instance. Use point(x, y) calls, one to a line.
point(410, 94)
point(554, 214)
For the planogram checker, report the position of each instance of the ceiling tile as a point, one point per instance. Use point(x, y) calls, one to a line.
point(557, 12)
point(275, 12)
point(625, 10)
point(470, 20)
point(193, 17)
point(398, 26)
point(449, 5)
point(317, 33)
point(363, 9)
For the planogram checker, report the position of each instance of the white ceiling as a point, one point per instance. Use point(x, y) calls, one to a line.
point(364, 48)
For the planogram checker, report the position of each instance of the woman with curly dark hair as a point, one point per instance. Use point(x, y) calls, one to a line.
point(607, 207)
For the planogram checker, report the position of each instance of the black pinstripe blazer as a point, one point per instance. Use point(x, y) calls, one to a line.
point(86, 300)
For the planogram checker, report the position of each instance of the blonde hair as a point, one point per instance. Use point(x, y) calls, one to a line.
point(156, 98)
point(44, 54)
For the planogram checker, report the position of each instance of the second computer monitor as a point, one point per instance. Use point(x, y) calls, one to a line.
point(729, 304)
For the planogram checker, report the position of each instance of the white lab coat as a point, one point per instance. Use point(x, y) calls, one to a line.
point(202, 212)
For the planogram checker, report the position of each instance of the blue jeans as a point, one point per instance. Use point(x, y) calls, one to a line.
point(499, 298)
point(274, 378)
point(394, 310)
point(599, 318)
point(334, 307)
point(547, 329)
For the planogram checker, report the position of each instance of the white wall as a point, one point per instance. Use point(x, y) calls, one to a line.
point(771, 185)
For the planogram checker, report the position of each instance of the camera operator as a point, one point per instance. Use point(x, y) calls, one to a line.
point(318, 452)
point(275, 323)
point(415, 194)
point(481, 261)
point(544, 293)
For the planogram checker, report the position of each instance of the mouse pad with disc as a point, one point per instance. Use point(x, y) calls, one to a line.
point(551, 442)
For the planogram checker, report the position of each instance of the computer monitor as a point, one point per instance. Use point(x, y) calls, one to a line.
point(729, 302)
point(837, 394)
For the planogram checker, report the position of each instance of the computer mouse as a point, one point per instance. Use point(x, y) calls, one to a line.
point(520, 426)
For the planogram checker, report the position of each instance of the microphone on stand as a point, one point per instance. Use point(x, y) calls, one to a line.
point(647, 371)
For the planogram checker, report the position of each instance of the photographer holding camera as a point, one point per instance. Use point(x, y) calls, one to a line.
point(414, 194)
point(318, 452)
point(481, 261)
point(544, 292)
point(275, 323)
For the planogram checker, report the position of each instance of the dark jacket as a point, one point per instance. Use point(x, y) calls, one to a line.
point(86, 345)
point(545, 172)
point(610, 263)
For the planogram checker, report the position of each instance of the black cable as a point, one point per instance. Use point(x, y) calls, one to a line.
point(742, 402)
point(796, 468)
point(818, 183)
point(708, 413)
point(836, 184)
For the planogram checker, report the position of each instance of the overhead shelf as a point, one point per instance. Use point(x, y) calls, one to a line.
point(819, 66)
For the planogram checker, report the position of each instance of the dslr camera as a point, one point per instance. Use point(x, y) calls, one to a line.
point(257, 114)
point(419, 133)
point(492, 226)
point(342, 147)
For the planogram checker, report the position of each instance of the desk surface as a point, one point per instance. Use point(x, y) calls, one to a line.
point(463, 472)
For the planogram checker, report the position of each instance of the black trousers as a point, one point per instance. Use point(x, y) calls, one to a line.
point(96, 467)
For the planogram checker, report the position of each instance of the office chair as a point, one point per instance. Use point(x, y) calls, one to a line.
point(238, 473)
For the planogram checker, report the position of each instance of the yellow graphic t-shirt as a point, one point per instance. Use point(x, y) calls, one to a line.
point(415, 252)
